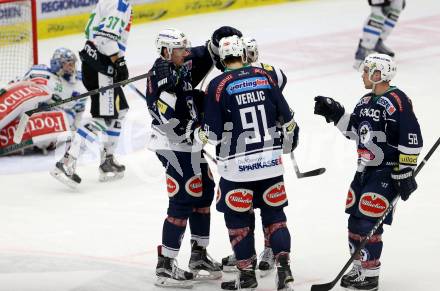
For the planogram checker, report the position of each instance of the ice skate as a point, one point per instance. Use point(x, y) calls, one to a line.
point(361, 279)
point(284, 278)
point(352, 274)
point(110, 169)
point(246, 281)
point(202, 265)
point(168, 274)
point(64, 172)
point(360, 55)
point(383, 49)
point(228, 264)
point(267, 262)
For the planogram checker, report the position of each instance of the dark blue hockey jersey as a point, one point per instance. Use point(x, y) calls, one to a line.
point(386, 130)
point(242, 110)
point(178, 102)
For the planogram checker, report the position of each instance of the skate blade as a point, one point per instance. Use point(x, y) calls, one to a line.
point(229, 269)
point(63, 179)
point(107, 177)
point(172, 283)
point(353, 288)
point(264, 273)
point(206, 276)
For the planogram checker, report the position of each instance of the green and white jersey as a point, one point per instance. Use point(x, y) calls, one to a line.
point(109, 25)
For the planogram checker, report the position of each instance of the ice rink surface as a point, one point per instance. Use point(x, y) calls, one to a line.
point(104, 236)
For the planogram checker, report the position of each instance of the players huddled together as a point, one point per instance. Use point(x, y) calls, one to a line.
point(244, 115)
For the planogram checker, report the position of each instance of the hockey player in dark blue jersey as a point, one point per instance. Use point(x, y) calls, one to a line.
point(176, 108)
point(267, 260)
point(245, 117)
point(388, 143)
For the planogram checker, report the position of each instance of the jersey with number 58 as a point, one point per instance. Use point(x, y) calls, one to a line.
point(386, 130)
point(109, 25)
point(242, 111)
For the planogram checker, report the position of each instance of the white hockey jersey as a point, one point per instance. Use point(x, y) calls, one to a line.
point(61, 89)
point(109, 25)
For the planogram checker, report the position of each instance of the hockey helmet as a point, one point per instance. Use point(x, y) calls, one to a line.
point(382, 63)
point(251, 48)
point(63, 63)
point(232, 46)
point(170, 39)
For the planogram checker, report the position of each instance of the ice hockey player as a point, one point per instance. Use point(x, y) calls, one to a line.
point(388, 143)
point(61, 81)
point(267, 259)
point(103, 64)
point(378, 26)
point(176, 108)
point(242, 109)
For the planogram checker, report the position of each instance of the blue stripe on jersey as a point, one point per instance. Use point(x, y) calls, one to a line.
point(121, 47)
point(112, 133)
point(84, 134)
point(122, 6)
point(389, 23)
point(248, 84)
point(367, 30)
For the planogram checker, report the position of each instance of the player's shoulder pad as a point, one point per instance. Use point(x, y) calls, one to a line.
point(218, 84)
point(398, 98)
point(365, 99)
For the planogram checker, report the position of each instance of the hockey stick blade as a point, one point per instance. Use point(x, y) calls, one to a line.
point(323, 287)
point(311, 173)
point(21, 127)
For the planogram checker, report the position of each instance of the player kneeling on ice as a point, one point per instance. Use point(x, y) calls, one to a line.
point(40, 86)
point(267, 259)
point(176, 109)
point(103, 64)
point(388, 144)
point(243, 107)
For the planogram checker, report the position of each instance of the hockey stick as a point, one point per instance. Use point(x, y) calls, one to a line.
point(300, 174)
point(330, 285)
point(21, 127)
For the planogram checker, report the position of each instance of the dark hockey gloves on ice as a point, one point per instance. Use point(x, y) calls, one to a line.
point(329, 108)
point(213, 44)
point(165, 75)
point(121, 70)
point(404, 182)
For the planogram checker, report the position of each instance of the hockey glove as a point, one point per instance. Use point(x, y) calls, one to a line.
point(404, 182)
point(121, 70)
point(165, 75)
point(213, 44)
point(329, 108)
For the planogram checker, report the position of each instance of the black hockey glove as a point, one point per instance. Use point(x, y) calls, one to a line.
point(166, 76)
point(329, 108)
point(121, 70)
point(404, 182)
point(213, 44)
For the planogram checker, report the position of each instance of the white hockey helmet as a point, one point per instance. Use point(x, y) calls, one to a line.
point(251, 48)
point(63, 63)
point(170, 39)
point(380, 62)
point(232, 46)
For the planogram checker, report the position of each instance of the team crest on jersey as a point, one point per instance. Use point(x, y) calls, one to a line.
point(194, 186)
point(365, 129)
point(275, 195)
point(387, 104)
point(351, 199)
point(373, 204)
point(239, 200)
point(172, 186)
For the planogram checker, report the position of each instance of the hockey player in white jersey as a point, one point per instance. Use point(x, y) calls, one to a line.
point(378, 26)
point(103, 64)
point(267, 259)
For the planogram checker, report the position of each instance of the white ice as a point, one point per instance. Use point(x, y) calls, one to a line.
point(104, 236)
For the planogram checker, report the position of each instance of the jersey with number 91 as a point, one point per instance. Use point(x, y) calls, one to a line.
point(244, 110)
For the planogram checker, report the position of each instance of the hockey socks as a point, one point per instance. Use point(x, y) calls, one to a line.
point(199, 223)
point(172, 234)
